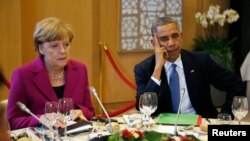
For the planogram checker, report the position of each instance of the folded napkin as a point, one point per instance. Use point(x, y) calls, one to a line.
point(135, 119)
point(245, 68)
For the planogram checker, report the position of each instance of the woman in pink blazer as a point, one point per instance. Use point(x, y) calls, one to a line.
point(49, 77)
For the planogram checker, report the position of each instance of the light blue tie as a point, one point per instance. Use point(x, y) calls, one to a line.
point(174, 85)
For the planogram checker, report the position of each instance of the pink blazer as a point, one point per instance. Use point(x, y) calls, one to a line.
point(30, 85)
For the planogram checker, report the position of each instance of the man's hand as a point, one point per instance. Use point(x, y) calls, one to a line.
point(161, 53)
point(161, 56)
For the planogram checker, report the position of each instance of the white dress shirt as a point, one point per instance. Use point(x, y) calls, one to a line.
point(186, 106)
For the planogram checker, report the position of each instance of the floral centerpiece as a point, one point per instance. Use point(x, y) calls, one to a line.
point(136, 135)
point(212, 23)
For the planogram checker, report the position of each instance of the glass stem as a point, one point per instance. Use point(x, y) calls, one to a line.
point(147, 121)
point(65, 131)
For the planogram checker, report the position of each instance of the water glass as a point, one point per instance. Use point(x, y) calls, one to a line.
point(65, 106)
point(148, 104)
point(224, 119)
point(240, 107)
point(50, 112)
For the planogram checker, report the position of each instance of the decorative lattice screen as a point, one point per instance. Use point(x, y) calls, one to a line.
point(137, 17)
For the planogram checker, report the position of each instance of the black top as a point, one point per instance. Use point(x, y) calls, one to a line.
point(59, 90)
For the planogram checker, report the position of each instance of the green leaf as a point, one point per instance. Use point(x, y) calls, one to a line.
point(155, 136)
point(219, 48)
point(114, 137)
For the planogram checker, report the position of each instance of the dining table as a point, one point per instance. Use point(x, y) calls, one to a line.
point(100, 129)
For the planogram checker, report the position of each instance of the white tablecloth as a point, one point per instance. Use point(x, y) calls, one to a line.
point(85, 136)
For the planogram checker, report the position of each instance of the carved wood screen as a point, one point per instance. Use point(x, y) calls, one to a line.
point(137, 17)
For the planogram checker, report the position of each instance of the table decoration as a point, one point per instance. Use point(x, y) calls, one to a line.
point(137, 135)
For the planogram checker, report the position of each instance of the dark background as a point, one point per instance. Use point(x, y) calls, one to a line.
point(240, 29)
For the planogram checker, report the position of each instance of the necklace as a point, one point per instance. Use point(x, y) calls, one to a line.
point(56, 77)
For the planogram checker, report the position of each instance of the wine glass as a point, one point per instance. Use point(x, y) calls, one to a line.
point(65, 105)
point(148, 104)
point(240, 107)
point(50, 113)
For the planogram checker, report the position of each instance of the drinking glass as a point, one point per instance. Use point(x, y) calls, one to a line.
point(50, 112)
point(240, 107)
point(148, 104)
point(65, 105)
point(224, 119)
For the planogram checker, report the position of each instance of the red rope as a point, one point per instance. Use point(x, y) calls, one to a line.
point(5, 82)
point(130, 84)
point(120, 110)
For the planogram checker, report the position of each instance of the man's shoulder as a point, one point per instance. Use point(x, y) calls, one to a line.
point(195, 54)
point(147, 61)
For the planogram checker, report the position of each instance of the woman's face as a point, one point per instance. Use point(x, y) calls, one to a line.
point(56, 53)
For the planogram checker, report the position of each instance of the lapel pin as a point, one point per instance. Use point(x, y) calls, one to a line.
point(192, 71)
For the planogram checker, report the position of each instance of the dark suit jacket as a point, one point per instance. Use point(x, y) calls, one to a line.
point(200, 72)
point(30, 85)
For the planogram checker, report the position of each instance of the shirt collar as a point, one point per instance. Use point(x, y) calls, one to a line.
point(178, 63)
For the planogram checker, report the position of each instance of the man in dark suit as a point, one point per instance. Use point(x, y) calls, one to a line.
point(196, 72)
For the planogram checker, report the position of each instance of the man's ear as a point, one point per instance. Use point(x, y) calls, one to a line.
point(181, 35)
point(152, 41)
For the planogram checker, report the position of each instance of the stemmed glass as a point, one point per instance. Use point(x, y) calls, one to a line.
point(50, 112)
point(65, 105)
point(148, 104)
point(240, 107)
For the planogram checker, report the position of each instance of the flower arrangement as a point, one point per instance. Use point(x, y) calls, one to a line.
point(212, 23)
point(136, 135)
point(213, 19)
point(132, 135)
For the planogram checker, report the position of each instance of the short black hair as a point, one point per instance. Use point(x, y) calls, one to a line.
point(162, 21)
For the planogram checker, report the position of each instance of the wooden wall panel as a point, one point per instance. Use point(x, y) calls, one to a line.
point(114, 89)
point(77, 13)
point(92, 21)
point(20, 17)
point(189, 25)
point(10, 39)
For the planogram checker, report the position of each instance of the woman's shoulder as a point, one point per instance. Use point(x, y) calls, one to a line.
point(76, 64)
point(32, 65)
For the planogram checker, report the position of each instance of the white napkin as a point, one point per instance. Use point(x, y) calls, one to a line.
point(132, 120)
point(93, 135)
point(135, 119)
point(245, 68)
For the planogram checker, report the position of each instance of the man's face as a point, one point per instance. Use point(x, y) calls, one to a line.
point(170, 38)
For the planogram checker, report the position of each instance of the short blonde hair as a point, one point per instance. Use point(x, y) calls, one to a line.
point(51, 29)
